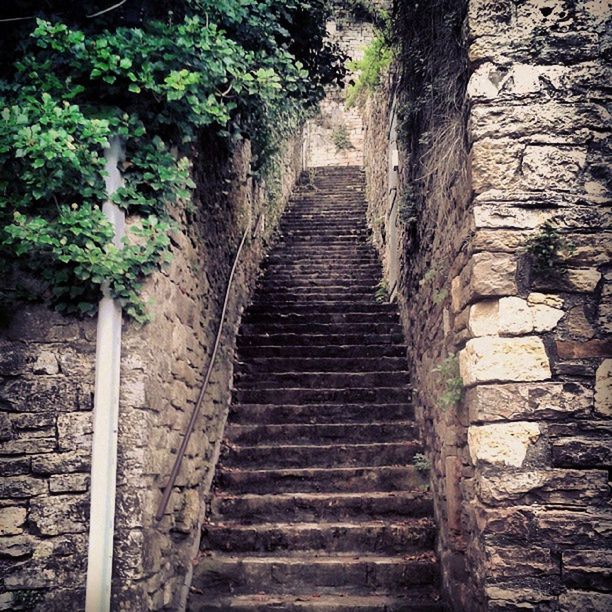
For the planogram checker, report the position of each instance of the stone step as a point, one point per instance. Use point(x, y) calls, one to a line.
point(316, 351)
point(296, 340)
point(320, 480)
point(318, 380)
point(318, 413)
point(313, 507)
point(388, 316)
point(256, 366)
point(277, 456)
point(307, 573)
point(390, 431)
point(411, 600)
point(310, 329)
point(316, 309)
point(347, 276)
point(409, 536)
point(356, 395)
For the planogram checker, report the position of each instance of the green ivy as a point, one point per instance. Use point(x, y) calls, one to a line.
point(236, 68)
point(547, 249)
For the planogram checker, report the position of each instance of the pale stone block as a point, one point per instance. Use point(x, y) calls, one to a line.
point(12, 519)
point(492, 359)
point(484, 318)
point(493, 274)
point(514, 316)
point(74, 430)
point(518, 401)
point(502, 443)
point(603, 388)
point(554, 301)
point(545, 167)
point(583, 280)
point(46, 363)
point(495, 163)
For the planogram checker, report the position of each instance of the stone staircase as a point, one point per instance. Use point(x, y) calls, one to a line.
point(317, 504)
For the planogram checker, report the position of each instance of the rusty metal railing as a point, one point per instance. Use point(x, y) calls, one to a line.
point(161, 510)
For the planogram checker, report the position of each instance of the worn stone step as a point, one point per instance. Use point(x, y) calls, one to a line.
point(319, 380)
point(285, 456)
point(348, 277)
point(313, 507)
point(280, 327)
point(316, 309)
point(318, 413)
point(322, 480)
point(313, 316)
point(307, 297)
point(389, 431)
point(295, 340)
point(316, 351)
point(308, 573)
point(372, 536)
point(256, 366)
point(411, 600)
point(274, 395)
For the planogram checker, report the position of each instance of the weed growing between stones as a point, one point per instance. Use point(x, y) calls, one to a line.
point(382, 292)
point(341, 138)
point(421, 463)
point(548, 249)
point(450, 378)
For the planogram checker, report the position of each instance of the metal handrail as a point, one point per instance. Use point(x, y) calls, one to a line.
point(161, 510)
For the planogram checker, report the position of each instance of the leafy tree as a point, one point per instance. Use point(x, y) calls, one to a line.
point(156, 74)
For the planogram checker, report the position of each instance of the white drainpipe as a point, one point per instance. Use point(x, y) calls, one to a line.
point(105, 418)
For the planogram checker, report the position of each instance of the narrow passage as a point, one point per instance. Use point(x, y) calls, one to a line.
point(318, 504)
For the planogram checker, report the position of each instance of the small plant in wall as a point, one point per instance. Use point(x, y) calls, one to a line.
point(421, 463)
point(547, 250)
point(341, 138)
point(450, 379)
point(382, 292)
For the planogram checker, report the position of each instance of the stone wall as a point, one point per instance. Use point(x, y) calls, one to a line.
point(335, 124)
point(46, 389)
point(520, 463)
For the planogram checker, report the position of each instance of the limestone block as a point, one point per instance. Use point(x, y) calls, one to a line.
point(12, 519)
point(502, 443)
point(518, 562)
point(499, 216)
point(587, 568)
point(22, 486)
point(46, 363)
point(603, 388)
point(504, 598)
point(69, 483)
point(488, 17)
point(518, 316)
point(61, 463)
point(492, 359)
point(493, 274)
point(484, 318)
point(494, 163)
point(16, 546)
point(554, 301)
point(571, 349)
point(74, 430)
point(585, 601)
point(604, 318)
point(577, 325)
point(548, 167)
point(584, 452)
point(59, 514)
point(537, 121)
point(550, 400)
point(568, 487)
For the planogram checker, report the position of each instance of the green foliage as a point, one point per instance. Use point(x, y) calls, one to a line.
point(376, 60)
point(382, 292)
point(237, 68)
point(341, 138)
point(421, 463)
point(547, 249)
point(450, 378)
point(439, 296)
point(367, 10)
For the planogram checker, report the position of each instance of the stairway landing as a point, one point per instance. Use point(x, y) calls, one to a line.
point(317, 504)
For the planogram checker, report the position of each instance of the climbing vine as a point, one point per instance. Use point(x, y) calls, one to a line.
point(155, 77)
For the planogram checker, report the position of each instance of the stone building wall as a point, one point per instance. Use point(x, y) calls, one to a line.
point(519, 464)
point(46, 390)
point(336, 124)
